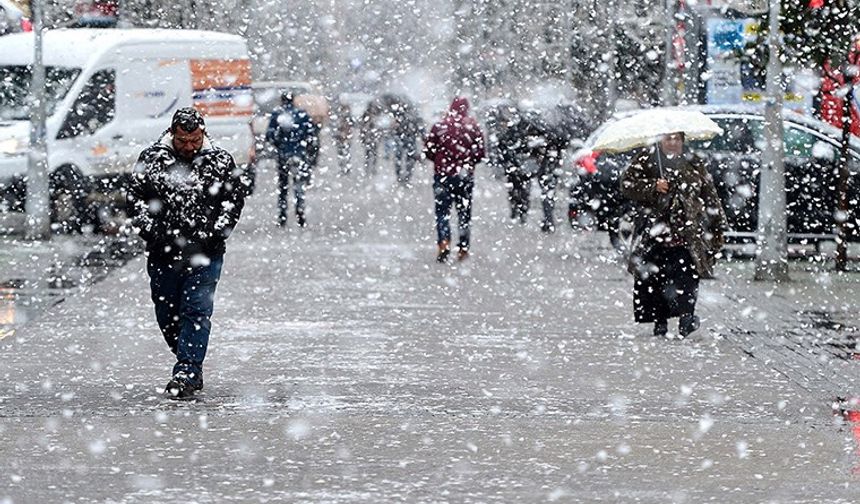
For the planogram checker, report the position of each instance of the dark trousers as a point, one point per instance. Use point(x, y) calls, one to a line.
point(343, 154)
point(519, 190)
point(184, 298)
point(370, 158)
point(456, 190)
point(666, 286)
point(299, 170)
point(548, 181)
point(405, 154)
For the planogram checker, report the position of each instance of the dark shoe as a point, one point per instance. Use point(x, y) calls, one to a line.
point(178, 389)
point(301, 220)
point(282, 221)
point(661, 327)
point(547, 227)
point(688, 324)
point(444, 252)
point(182, 386)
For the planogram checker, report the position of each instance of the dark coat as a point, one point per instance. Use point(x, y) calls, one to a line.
point(183, 209)
point(293, 133)
point(455, 144)
point(690, 214)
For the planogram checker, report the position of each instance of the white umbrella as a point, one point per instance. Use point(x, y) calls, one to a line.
point(647, 126)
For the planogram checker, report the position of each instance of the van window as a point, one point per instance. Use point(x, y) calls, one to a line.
point(94, 108)
point(15, 89)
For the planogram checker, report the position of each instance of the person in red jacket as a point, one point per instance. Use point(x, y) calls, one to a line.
point(455, 145)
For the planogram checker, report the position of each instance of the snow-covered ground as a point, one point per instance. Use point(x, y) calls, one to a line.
point(346, 365)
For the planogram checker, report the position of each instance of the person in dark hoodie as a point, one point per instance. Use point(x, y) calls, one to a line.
point(455, 145)
point(185, 198)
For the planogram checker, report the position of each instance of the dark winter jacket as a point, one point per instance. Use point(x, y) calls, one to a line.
point(183, 209)
point(293, 133)
point(690, 214)
point(455, 144)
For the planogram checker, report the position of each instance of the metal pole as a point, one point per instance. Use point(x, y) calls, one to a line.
point(668, 95)
point(772, 263)
point(38, 222)
point(842, 187)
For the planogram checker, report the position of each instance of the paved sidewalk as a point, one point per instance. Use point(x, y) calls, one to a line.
point(347, 366)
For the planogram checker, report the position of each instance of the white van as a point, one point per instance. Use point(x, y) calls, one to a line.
point(112, 92)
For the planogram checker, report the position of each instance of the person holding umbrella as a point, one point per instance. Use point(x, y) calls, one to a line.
point(680, 221)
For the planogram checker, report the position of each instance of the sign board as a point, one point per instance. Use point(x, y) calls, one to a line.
point(745, 6)
point(725, 39)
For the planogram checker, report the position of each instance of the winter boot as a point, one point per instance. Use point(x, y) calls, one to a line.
point(182, 386)
point(462, 254)
point(661, 327)
point(300, 218)
point(178, 389)
point(444, 251)
point(688, 324)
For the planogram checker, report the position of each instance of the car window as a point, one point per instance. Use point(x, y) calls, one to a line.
point(741, 135)
point(94, 108)
point(801, 143)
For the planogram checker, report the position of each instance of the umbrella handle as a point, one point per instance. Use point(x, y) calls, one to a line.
point(659, 160)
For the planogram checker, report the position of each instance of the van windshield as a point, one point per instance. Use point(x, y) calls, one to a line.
point(15, 89)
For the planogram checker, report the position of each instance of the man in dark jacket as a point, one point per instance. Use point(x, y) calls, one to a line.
point(296, 139)
point(185, 199)
point(455, 145)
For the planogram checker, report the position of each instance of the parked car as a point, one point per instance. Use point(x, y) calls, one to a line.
point(110, 93)
point(812, 158)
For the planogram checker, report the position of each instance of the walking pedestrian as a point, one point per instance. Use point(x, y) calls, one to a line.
point(296, 138)
point(185, 198)
point(370, 134)
point(511, 149)
point(407, 128)
point(343, 124)
point(678, 233)
point(455, 145)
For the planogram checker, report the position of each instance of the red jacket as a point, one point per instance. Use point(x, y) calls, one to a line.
point(455, 143)
point(831, 104)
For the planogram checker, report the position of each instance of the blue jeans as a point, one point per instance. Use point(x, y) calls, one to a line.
point(184, 298)
point(456, 190)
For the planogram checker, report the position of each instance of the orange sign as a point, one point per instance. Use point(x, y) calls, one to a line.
point(222, 87)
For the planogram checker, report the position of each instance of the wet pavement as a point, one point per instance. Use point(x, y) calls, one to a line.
point(347, 366)
point(36, 275)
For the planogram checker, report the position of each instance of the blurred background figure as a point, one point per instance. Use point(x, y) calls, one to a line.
point(342, 124)
point(407, 128)
point(295, 136)
point(370, 135)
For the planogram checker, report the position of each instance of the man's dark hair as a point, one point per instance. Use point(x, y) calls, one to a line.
point(187, 118)
point(287, 98)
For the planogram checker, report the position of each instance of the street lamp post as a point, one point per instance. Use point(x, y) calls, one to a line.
point(668, 88)
point(38, 221)
point(772, 263)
